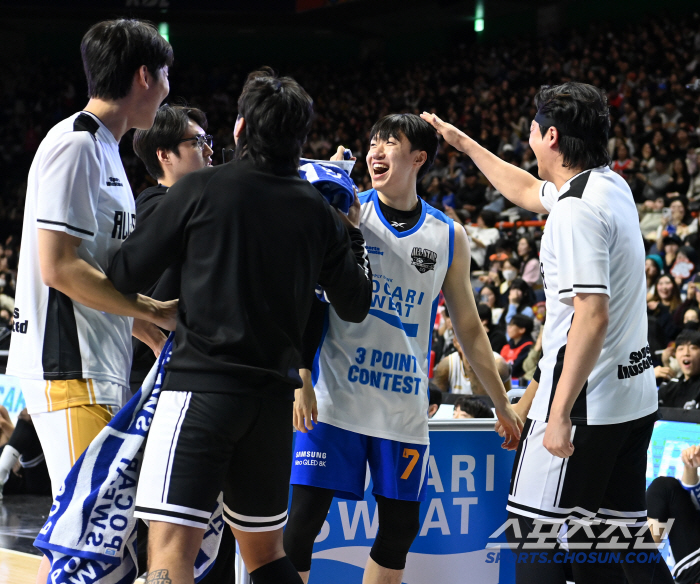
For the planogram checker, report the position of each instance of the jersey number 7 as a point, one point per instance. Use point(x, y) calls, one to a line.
point(415, 456)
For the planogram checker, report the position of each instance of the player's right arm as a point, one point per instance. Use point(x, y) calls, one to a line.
point(64, 270)
point(66, 211)
point(515, 184)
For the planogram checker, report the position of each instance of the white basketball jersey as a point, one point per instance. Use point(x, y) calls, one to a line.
point(372, 377)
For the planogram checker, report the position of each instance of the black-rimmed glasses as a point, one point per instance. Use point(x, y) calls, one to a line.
point(201, 139)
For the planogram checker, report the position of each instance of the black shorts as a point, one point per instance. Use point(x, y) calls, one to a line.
point(201, 444)
point(605, 477)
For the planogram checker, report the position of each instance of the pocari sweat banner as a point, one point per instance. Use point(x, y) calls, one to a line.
point(467, 490)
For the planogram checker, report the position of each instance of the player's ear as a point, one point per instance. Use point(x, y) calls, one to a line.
point(421, 158)
point(142, 77)
point(238, 128)
point(164, 156)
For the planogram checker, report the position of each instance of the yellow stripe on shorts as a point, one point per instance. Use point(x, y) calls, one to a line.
point(69, 393)
point(83, 423)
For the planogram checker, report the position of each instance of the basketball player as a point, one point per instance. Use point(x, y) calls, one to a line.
point(591, 419)
point(253, 240)
point(71, 343)
point(371, 378)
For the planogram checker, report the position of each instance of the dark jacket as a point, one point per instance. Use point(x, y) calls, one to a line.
point(166, 288)
point(252, 245)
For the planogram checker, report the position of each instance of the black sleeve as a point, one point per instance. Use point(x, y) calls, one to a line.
point(346, 276)
point(145, 205)
point(156, 243)
point(313, 332)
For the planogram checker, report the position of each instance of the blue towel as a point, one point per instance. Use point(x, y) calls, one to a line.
point(90, 535)
point(332, 182)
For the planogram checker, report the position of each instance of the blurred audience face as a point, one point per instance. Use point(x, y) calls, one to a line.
point(677, 211)
point(671, 249)
point(515, 332)
point(691, 315)
point(488, 297)
point(651, 269)
point(523, 247)
point(664, 287)
point(458, 414)
point(658, 204)
point(688, 357)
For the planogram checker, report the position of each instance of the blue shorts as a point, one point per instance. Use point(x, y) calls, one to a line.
point(332, 458)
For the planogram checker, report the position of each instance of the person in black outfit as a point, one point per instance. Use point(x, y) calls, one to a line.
point(253, 240)
point(174, 146)
point(685, 392)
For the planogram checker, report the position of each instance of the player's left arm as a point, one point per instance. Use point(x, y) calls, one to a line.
point(581, 235)
point(472, 336)
point(583, 346)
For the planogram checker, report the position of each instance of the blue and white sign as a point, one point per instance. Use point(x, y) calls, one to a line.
point(468, 480)
point(11, 396)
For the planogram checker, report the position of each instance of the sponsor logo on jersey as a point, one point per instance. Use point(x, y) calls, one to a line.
point(397, 224)
point(123, 224)
point(113, 181)
point(310, 458)
point(423, 259)
point(19, 327)
point(374, 250)
point(640, 361)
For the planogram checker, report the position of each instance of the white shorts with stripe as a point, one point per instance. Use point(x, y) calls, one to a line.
point(69, 418)
point(605, 477)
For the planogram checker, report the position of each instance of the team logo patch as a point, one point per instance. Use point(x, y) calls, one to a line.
point(423, 259)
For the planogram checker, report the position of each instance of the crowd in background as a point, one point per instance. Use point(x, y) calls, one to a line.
point(485, 89)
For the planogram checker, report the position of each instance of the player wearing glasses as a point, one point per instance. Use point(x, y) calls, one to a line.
point(176, 145)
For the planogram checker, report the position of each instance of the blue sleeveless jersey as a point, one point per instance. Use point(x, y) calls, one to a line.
point(372, 377)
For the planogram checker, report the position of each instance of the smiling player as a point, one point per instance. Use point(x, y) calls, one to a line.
point(371, 378)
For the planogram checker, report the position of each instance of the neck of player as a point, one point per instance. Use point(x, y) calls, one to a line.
point(111, 114)
point(559, 174)
point(403, 198)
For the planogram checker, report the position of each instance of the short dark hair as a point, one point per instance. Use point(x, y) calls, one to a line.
point(490, 218)
point(485, 312)
point(473, 406)
point(168, 128)
point(522, 321)
point(278, 115)
point(580, 112)
point(688, 337)
point(113, 50)
point(420, 134)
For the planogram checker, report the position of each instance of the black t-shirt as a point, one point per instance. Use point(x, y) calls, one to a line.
point(401, 220)
point(252, 243)
point(676, 394)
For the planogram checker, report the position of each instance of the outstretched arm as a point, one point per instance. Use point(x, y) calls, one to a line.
point(472, 337)
point(515, 184)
